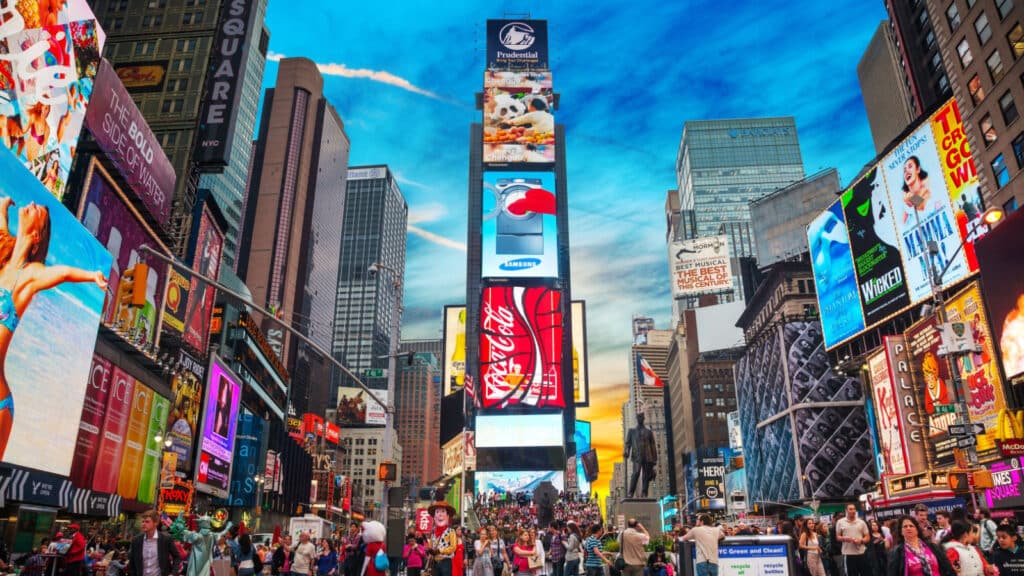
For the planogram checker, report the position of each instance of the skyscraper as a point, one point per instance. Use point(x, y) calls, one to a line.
point(883, 85)
point(289, 255)
point(373, 231)
point(162, 50)
point(722, 165)
point(924, 72)
point(650, 400)
point(418, 419)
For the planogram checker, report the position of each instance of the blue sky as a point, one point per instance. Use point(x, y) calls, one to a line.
point(403, 76)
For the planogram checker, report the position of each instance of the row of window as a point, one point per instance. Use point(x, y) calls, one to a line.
point(719, 415)
point(719, 401)
point(981, 25)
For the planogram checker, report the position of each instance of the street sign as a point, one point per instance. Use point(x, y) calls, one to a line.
point(966, 429)
point(966, 441)
point(376, 373)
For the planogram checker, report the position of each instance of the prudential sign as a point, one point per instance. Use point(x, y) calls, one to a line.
point(517, 45)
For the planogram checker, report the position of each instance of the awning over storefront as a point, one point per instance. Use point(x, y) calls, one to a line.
point(21, 485)
point(90, 503)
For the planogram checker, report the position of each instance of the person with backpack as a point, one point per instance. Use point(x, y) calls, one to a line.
point(988, 530)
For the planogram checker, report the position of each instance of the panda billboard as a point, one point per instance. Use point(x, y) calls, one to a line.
point(519, 126)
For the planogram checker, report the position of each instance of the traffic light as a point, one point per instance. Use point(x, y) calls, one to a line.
point(387, 472)
point(132, 289)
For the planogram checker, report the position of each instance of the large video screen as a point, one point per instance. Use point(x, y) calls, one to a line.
point(521, 347)
point(519, 123)
point(48, 333)
point(454, 361)
point(518, 430)
point(1002, 272)
point(519, 233)
point(517, 44)
point(356, 407)
point(582, 437)
point(220, 420)
point(516, 482)
point(834, 277)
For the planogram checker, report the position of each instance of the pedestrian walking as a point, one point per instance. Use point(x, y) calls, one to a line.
point(854, 534)
point(596, 559)
point(810, 543)
point(963, 554)
point(914, 555)
point(152, 552)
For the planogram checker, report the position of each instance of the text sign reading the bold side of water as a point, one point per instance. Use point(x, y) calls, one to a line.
point(753, 560)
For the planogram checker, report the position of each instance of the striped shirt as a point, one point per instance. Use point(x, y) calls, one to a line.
point(592, 545)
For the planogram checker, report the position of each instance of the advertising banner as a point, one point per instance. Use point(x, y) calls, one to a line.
point(183, 421)
point(89, 427)
point(142, 76)
point(834, 277)
point(114, 222)
point(135, 441)
point(519, 126)
point(521, 347)
point(876, 256)
point(454, 360)
point(890, 434)
point(224, 84)
point(934, 387)
point(149, 477)
point(979, 374)
point(424, 522)
point(220, 419)
point(452, 456)
point(1002, 271)
point(356, 407)
point(961, 176)
point(115, 427)
point(517, 44)
point(906, 404)
point(581, 435)
point(248, 461)
point(1007, 484)
point(709, 465)
point(49, 335)
point(124, 136)
point(519, 234)
point(206, 261)
point(580, 377)
point(48, 61)
point(518, 481)
point(179, 287)
point(912, 173)
point(700, 266)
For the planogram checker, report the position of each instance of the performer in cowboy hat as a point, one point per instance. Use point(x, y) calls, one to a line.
point(443, 540)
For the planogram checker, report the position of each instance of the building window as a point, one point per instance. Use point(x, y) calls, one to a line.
point(1000, 171)
point(1016, 39)
point(964, 50)
point(145, 48)
point(1009, 108)
point(953, 17)
point(173, 105)
point(182, 64)
point(995, 67)
point(943, 84)
point(157, 4)
point(983, 29)
point(186, 45)
point(929, 40)
point(191, 17)
point(1018, 149)
point(936, 63)
point(116, 24)
point(1004, 7)
point(169, 140)
point(977, 92)
point(177, 85)
point(118, 5)
point(922, 19)
point(152, 21)
point(988, 130)
point(195, 2)
point(1010, 206)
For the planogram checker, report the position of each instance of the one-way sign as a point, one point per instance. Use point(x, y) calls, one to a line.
point(966, 429)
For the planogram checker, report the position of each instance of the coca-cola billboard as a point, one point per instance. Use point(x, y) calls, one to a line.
point(521, 347)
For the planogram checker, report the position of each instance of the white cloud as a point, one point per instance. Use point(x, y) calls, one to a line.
point(382, 76)
point(427, 213)
point(437, 238)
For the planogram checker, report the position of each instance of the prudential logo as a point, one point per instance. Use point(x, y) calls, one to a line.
point(516, 36)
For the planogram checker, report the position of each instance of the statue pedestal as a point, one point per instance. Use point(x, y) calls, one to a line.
point(646, 510)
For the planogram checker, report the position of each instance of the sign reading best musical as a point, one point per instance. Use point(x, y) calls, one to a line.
point(700, 266)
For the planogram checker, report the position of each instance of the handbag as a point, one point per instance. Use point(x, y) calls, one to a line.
point(534, 562)
point(381, 562)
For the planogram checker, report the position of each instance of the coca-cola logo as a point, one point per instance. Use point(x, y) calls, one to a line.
point(521, 347)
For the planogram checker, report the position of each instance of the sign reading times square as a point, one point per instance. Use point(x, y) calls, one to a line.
point(517, 45)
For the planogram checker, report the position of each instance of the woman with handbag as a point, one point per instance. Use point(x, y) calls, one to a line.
point(963, 553)
point(483, 565)
point(525, 551)
point(499, 552)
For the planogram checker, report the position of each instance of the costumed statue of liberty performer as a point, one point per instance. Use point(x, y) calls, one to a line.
point(201, 558)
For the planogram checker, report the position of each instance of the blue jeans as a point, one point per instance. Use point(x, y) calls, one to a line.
point(707, 569)
point(572, 568)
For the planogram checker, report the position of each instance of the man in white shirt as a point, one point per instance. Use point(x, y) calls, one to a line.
point(305, 555)
point(705, 537)
point(632, 542)
point(854, 534)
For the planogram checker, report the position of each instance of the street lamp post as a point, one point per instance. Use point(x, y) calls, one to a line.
point(389, 417)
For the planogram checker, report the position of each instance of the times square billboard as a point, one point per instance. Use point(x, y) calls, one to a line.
point(519, 230)
point(518, 118)
point(925, 190)
point(517, 45)
point(521, 347)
